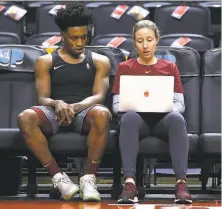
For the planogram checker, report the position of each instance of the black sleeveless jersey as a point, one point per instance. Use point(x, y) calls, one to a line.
point(72, 82)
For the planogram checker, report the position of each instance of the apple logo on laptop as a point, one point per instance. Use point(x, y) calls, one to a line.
point(146, 93)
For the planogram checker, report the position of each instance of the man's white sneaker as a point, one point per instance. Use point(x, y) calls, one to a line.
point(88, 189)
point(64, 184)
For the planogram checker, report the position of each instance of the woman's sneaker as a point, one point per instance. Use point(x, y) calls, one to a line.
point(129, 194)
point(182, 195)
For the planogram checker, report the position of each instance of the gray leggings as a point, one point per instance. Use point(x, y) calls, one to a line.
point(172, 126)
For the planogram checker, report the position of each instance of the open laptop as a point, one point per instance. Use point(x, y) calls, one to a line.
point(146, 93)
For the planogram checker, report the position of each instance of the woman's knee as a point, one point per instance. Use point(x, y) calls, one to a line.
point(176, 118)
point(131, 119)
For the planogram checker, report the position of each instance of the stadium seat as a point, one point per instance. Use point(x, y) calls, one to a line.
point(38, 39)
point(198, 42)
point(188, 62)
point(9, 38)
point(105, 24)
point(9, 25)
point(45, 21)
point(103, 40)
point(18, 93)
point(215, 11)
point(196, 20)
point(210, 138)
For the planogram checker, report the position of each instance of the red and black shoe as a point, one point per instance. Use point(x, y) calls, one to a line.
point(182, 195)
point(129, 194)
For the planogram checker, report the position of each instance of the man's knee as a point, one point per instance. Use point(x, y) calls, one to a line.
point(99, 114)
point(176, 118)
point(131, 118)
point(28, 116)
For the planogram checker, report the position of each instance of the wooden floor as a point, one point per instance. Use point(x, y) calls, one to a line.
point(33, 204)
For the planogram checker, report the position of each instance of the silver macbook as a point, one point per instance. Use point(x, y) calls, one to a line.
point(146, 93)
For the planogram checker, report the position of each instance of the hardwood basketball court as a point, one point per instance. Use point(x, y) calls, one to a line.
point(47, 204)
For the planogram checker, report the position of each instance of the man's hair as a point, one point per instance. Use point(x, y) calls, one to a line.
point(73, 15)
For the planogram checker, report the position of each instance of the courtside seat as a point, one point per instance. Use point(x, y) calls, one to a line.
point(155, 147)
point(11, 143)
point(38, 39)
point(211, 104)
point(70, 143)
point(17, 93)
point(210, 138)
point(74, 144)
point(188, 62)
point(210, 144)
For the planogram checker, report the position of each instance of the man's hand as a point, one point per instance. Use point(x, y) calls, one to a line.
point(64, 112)
point(76, 107)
